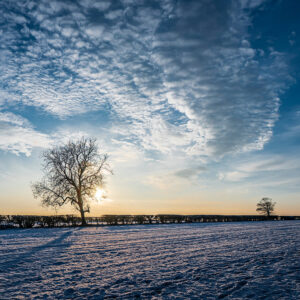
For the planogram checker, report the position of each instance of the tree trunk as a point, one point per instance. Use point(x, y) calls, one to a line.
point(80, 204)
point(83, 221)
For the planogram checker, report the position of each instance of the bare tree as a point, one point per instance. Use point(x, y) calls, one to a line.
point(72, 174)
point(265, 206)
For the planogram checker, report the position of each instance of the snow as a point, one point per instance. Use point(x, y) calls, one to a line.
point(242, 260)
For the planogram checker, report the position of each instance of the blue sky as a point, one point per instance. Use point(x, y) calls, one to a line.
point(196, 102)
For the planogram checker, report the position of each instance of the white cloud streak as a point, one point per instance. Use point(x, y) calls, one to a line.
point(264, 170)
point(18, 136)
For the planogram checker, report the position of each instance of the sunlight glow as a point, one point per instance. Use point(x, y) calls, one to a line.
point(100, 194)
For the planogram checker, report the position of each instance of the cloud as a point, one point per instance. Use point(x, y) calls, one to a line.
point(177, 77)
point(176, 179)
point(17, 135)
point(189, 172)
point(266, 168)
point(233, 176)
point(275, 163)
point(8, 117)
point(292, 38)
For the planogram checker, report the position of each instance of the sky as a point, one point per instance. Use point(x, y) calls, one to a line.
point(195, 102)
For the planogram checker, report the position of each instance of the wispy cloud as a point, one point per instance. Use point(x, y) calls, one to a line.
point(233, 176)
point(175, 76)
point(18, 136)
point(264, 170)
point(190, 172)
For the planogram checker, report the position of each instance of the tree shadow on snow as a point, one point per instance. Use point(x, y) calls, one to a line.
point(25, 257)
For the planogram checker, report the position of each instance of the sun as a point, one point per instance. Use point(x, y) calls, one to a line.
point(100, 193)
point(101, 196)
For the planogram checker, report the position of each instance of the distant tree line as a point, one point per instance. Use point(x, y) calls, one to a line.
point(22, 221)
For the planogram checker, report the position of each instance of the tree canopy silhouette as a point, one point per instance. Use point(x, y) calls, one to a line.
point(72, 174)
point(265, 206)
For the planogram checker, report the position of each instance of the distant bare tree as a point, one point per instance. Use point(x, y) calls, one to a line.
point(265, 206)
point(72, 173)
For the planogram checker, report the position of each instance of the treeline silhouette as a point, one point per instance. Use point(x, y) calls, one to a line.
point(25, 221)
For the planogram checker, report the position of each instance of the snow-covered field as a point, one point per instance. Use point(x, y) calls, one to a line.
point(258, 260)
